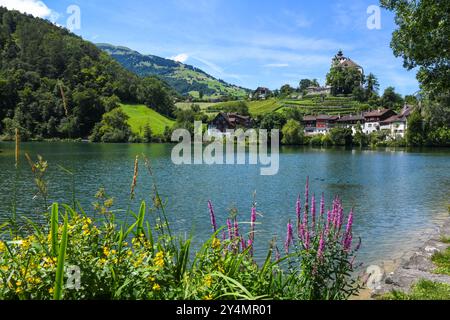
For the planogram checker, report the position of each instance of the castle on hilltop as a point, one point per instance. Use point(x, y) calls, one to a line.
point(340, 60)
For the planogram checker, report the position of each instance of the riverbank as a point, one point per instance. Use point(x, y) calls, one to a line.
point(403, 274)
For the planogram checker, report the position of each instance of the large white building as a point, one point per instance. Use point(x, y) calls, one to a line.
point(397, 124)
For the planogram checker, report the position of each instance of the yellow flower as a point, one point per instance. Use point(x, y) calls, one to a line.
point(216, 243)
point(156, 287)
point(159, 259)
point(106, 251)
point(2, 246)
point(208, 297)
point(113, 252)
point(19, 290)
point(19, 283)
point(208, 280)
point(51, 290)
point(151, 279)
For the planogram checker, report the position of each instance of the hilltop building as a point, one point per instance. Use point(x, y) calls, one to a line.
point(340, 60)
point(261, 93)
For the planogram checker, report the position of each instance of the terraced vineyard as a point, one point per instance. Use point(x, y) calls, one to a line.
point(328, 105)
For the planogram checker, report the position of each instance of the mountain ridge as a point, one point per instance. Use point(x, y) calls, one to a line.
point(185, 79)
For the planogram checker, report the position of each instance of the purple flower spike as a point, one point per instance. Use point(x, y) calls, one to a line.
point(321, 247)
point(236, 229)
point(313, 211)
point(230, 230)
point(299, 216)
point(348, 238)
point(252, 224)
point(322, 206)
point(289, 237)
point(212, 216)
point(307, 241)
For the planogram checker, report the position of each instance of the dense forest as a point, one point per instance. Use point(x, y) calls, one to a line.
point(55, 84)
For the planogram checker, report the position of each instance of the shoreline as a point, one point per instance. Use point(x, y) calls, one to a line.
point(415, 264)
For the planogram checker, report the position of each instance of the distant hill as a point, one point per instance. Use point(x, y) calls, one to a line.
point(185, 79)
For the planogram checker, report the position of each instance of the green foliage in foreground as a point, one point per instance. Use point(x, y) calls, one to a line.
point(423, 290)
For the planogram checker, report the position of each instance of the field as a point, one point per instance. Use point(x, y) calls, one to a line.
point(141, 115)
point(264, 106)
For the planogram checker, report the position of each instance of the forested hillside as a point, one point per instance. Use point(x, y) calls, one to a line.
point(41, 63)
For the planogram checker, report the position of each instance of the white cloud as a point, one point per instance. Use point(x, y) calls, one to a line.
point(276, 65)
point(34, 7)
point(182, 57)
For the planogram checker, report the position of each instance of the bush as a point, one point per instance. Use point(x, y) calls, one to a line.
point(113, 128)
point(293, 133)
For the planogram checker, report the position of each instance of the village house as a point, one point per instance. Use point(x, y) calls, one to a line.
point(373, 119)
point(229, 121)
point(261, 93)
point(397, 125)
point(320, 124)
point(351, 121)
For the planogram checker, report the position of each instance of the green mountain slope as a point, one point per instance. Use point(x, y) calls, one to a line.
point(185, 79)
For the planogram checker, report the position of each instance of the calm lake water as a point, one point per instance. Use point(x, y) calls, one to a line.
point(398, 196)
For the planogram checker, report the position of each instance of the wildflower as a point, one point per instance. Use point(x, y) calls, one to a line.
point(215, 243)
point(299, 218)
point(208, 280)
point(230, 229)
point(236, 229)
point(2, 246)
point(106, 251)
point(159, 259)
point(208, 297)
point(322, 206)
point(51, 290)
point(289, 237)
point(252, 225)
point(156, 287)
point(313, 211)
point(321, 249)
point(347, 242)
point(212, 216)
point(151, 279)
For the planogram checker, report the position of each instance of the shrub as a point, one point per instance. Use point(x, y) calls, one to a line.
point(293, 133)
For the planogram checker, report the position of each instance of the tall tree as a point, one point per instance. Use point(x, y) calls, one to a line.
point(372, 85)
point(391, 99)
point(422, 40)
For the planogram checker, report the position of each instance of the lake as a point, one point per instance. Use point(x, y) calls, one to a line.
point(398, 196)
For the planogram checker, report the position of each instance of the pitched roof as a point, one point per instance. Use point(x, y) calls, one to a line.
point(376, 113)
point(351, 118)
point(309, 118)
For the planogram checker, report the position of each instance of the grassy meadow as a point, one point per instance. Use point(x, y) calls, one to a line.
point(141, 115)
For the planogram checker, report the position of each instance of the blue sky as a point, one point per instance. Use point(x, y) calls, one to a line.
point(249, 43)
